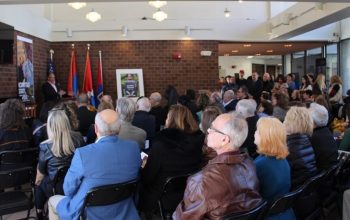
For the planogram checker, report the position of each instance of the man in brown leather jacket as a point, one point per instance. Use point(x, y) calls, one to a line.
point(228, 184)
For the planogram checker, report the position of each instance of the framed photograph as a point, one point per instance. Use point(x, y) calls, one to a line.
point(130, 83)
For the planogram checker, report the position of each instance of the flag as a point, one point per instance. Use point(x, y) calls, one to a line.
point(99, 80)
point(51, 67)
point(72, 85)
point(87, 87)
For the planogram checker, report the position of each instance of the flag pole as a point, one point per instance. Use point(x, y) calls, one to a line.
point(51, 54)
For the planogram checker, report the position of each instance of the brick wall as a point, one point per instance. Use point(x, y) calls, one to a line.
point(154, 57)
point(8, 72)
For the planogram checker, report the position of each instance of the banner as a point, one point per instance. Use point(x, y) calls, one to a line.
point(25, 69)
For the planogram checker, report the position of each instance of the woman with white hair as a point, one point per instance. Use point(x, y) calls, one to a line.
point(57, 151)
point(322, 140)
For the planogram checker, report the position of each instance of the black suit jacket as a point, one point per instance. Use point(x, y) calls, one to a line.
point(49, 92)
point(145, 121)
point(86, 119)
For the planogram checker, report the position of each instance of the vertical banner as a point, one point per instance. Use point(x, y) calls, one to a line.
point(25, 69)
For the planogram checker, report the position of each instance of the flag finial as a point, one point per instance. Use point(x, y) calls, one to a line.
point(51, 53)
point(72, 46)
point(88, 45)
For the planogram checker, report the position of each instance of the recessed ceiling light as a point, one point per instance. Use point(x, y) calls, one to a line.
point(247, 45)
point(240, 1)
point(77, 5)
point(235, 51)
point(258, 54)
point(227, 13)
point(269, 51)
point(157, 4)
point(250, 57)
point(226, 54)
point(288, 45)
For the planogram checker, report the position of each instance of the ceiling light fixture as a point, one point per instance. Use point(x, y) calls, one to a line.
point(235, 51)
point(269, 51)
point(250, 57)
point(288, 45)
point(77, 5)
point(157, 4)
point(124, 31)
point(247, 45)
point(240, 1)
point(258, 54)
point(160, 15)
point(93, 16)
point(227, 13)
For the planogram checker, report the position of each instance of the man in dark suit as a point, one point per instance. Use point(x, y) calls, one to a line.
point(51, 90)
point(157, 110)
point(255, 86)
point(143, 119)
point(85, 116)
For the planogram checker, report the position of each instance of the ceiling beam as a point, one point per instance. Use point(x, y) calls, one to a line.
point(10, 2)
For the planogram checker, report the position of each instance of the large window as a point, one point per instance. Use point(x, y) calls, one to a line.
point(332, 60)
point(298, 65)
point(345, 64)
point(311, 57)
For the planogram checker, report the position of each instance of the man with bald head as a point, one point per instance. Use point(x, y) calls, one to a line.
point(228, 183)
point(109, 160)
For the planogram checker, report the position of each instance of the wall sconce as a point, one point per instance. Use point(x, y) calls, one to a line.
point(124, 31)
point(187, 31)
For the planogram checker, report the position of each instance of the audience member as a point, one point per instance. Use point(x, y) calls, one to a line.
point(241, 80)
point(208, 116)
point(336, 94)
point(109, 160)
point(247, 108)
point(280, 103)
point(280, 85)
point(229, 101)
point(14, 134)
point(272, 166)
point(56, 152)
point(108, 99)
point(307, 97)
point(176, 150)
point(291, 83)
point(295, 96)
point(202, 102)
point(255, 86)
point(171, 95)
point(319, 87)
point(215, 99)
point(267, 83)
point(299, 127)
point(104, 105)
point(265, 109)
point(242, 93)
point(85, 116)
point(185, 101)
point(157, 110)
point(322, 140)
point(143, 119)
point(305, 84)
point(39, 125)
point(232, 172)
point(126, 109)
point(70, 110)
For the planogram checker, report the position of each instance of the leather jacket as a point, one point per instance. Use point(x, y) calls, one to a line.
point(48, 163)
point(228, 184)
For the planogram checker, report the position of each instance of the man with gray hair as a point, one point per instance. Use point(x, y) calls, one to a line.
point(322, 140)
point(229, 101)
point(126, 108)
point(109, 160)
point(228, 184)
point(247, 108)
point(157, 111)
point(143, 119)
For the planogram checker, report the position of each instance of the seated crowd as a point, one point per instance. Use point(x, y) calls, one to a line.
point(253, 141)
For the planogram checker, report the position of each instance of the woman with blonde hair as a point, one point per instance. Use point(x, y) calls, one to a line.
point(319, 87)
point(299, 127)
point(272, 166)
point(56, 152)
point(176, 150)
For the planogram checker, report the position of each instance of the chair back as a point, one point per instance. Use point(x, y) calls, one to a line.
point(108, 194)
point(284, 202)
point(173, 190)
point(313, 183)
point(17, 158)
point(15, 177)
point(58, 180)
point(253, 214)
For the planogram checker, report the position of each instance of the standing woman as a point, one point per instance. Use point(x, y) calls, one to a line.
point(56, 152)
point(176, 150)
point(305, 83)
point(272, 166)
point(319, 87)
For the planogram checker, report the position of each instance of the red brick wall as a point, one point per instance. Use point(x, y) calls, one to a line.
point(8, 72)
point(154, 57)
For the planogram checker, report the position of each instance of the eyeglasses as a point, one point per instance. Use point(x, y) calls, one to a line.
point(215, 130)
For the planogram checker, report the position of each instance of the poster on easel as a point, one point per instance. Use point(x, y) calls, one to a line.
point(25, 69)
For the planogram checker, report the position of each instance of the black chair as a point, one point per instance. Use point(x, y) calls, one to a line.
point(16, 200)
point(107, 195)
point(12, 159)
point(57, 182)
point(256, 213)
point(306, 205)
point(173, 191)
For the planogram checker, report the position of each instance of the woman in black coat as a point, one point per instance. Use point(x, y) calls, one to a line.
point(176, 150)
point(299, 126)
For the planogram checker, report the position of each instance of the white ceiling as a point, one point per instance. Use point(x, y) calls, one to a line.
point(56, 21)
